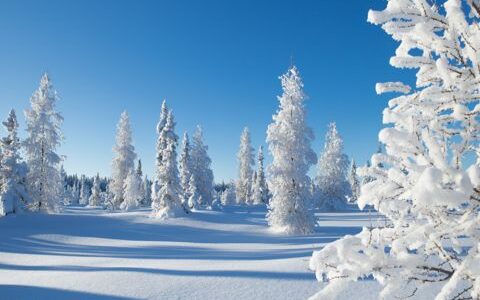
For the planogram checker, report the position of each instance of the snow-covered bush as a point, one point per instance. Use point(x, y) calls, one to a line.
point(245, 162)
point(124, 160)
point(428, 182)
point(13, 191)
point(334, 189)
point(229, 196)
point(44, 137)
point(289, 141)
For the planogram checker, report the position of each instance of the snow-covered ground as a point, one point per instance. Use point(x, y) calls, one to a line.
point(90, 254)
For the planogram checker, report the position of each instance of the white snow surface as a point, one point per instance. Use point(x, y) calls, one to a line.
point(88, 253)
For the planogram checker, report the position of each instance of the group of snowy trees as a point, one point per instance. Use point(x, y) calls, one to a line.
point(178, 186)
point(427, 183)
point(33, 183)
point(294, 193)
point(251, 186)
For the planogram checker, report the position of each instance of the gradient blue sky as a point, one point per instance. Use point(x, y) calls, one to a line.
point(216, 62)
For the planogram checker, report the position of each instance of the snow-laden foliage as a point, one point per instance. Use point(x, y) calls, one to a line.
point(147, 187)
point(246, 160)
point(142, 192)
point(289, 141)
point(428, 184)
point(354, 182)
point(167, 202)
point(44, 137)
point(201, 168)
point(160, 147)
point(193, 200)
point(260, 192)
point(185, 167)
point(13, 191)
point(124, 160)
point(95, 196)
point(84, 191)
point(387, 87)
point(228, 196)
point(334, 188)
point(132, 191)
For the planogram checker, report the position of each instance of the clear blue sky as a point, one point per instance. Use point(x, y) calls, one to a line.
point(216, 62)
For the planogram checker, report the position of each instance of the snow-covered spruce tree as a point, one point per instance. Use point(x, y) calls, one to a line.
point(147, 187)
point(84, 191)
point(428, 187)
point(289, 141)
point(228, 196)
point(66, 190)
point(13, 191)
point(334, 188)
point(167, 202)
point(193, 200)
point(124, 159)
point(95, 196)
point(185, 170)
point(141, 190)
point(260, 192)
point(245, 158)
point(139, 168)
point(132, 191)
point(160, 144)
point(44, 136)
point(201, 169)
point(354, 182)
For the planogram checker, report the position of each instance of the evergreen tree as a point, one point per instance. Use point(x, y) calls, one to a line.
point(166, 202)
point(147, 187)
point(124, 159)
point(13, 191)
point(44, 137)
point(245, 161)
point(332, 172)
point(186, 170)
point(84, 191)
point(201, 169)
point(193, 196)
point(161, 144)
point(289, 140)
point(139, 168)
point(260, 192)
point(354, 182)
point(131, 191)
point(427, 183)
point(95, 197)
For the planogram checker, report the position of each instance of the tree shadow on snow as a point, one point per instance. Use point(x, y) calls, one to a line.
point(29, 234)
point(20, 292)
point(170, 272)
